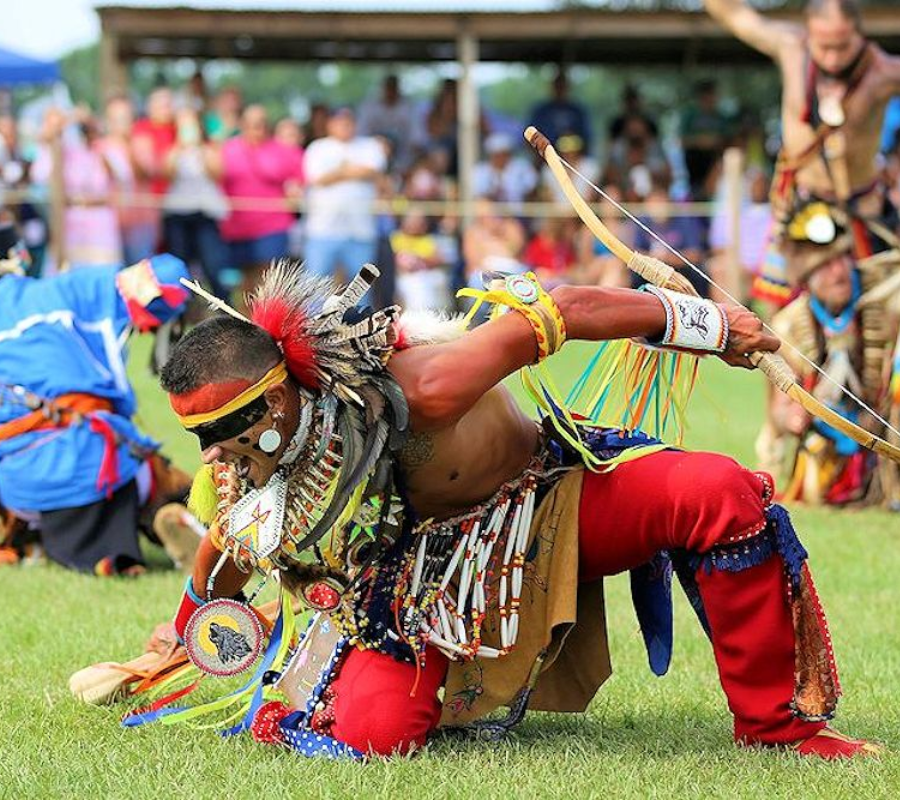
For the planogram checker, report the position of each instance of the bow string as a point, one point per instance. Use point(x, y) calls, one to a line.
point(658, 273)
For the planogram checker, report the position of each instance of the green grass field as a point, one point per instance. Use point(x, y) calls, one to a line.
point(643, 737)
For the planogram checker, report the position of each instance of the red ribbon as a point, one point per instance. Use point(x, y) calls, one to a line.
point(168, 699)
point(108, 476)
point(143, 320)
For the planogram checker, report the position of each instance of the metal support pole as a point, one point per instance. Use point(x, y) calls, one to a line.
point(733, 166)
point(468, 119)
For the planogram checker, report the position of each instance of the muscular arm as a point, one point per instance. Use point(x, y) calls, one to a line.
point(766, 35)
point(442, 382)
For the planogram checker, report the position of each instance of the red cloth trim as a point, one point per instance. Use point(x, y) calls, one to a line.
point(373, 709)
point(324, 715)
point(850, 482)
point(806, 113)
point(207, 397)
point(401, 343)
point(173, 295)
point(187, 607)
point(108, 476)
point(753, 640)
point(165, 700)
point(832, 749)
point(143, 320)
point(266, 725)
point(696, 501)
point(862, 242)
point(667, 500)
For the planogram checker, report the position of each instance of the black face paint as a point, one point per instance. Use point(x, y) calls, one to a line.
point(231, 425)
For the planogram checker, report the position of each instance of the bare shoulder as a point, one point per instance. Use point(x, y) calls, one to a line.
point(443, 381)
point(886, 71)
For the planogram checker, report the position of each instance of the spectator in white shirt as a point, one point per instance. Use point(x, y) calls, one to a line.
point(341, 172)
point(503, 177)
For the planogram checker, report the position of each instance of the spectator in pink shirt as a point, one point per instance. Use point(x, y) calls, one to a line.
point(260, 177)
point(151, 140)
point(91, 227)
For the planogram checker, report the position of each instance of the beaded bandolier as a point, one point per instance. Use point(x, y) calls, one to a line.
point(432, 587)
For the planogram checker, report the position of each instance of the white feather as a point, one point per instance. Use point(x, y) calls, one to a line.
point(430, 327)
point(288, 281)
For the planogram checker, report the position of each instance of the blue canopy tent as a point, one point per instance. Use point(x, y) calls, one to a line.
point(19, 70)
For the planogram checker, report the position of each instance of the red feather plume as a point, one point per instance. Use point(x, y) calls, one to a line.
point(286, 322)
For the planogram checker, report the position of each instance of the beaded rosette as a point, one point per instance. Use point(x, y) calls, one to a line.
point(223, 637)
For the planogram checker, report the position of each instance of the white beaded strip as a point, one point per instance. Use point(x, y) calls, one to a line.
point(453, 624)
point(692, 323)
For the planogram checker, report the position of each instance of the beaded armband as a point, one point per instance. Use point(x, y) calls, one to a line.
point(523, 293)
point(692, 323)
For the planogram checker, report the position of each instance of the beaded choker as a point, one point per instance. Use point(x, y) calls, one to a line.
point(297, 497)
point(833, 324)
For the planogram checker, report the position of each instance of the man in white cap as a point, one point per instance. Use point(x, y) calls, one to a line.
point(502, 176)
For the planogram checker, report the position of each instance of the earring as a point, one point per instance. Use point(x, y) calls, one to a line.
point(270, 440)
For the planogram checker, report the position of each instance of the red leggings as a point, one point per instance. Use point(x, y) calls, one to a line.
point(668, 500)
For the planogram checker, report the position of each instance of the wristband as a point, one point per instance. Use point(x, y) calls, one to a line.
point(190, 602)
point(692, 323)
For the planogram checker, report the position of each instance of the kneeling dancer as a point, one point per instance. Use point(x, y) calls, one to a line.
point(453, 547)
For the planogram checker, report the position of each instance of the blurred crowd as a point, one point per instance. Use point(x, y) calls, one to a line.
point(218, 183)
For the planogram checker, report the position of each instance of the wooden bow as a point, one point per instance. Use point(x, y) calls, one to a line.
point(654, 271)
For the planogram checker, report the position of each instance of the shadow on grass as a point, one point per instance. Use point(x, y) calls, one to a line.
point(660, 734)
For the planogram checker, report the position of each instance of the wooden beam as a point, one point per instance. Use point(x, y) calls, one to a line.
point(579, 35)
point(113, 72)
point(573, 23)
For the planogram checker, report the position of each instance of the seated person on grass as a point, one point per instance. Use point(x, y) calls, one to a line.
point(73, 465)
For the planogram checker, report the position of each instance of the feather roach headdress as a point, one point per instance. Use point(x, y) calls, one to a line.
point(328, 343)
point(354, 415)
